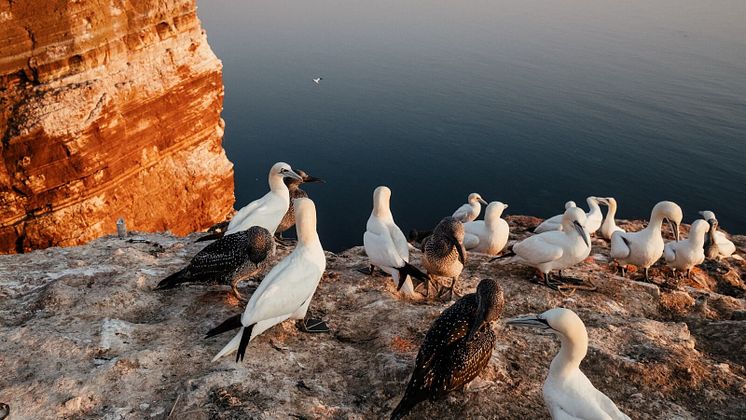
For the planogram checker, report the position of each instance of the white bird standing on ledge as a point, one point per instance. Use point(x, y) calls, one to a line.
point(685, 254)
point(645, 247)
point(469, 211)
point(269, 210)
point(386, 245)
point(488, 236)
point(608, 226)
point(716, 243)
point(568, 393)
point(286, 291)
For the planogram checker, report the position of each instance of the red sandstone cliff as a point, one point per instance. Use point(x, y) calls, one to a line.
point(108, 109)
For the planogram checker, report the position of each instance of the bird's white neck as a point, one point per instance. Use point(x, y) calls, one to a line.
point(656, 223)
point(593, 206)
point(381, 208)
point(306, 227)
point(572, 352)
point(276, 184)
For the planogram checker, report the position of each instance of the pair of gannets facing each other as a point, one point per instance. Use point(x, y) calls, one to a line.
point(443, 253)
point(716, 243)
point(488, 236)
point(685, 254)
point(608, 226)
point(556, 250)
point(456, 348)
point(645, 247)
point(295, 192)
point(285, 292)
point(592, 219)
point(226, 260)
point(386, 246)
point(469, 211)
point(568, 393)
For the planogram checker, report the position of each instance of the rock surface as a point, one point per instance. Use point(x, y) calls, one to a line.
point(108, 109)
point(84, 335)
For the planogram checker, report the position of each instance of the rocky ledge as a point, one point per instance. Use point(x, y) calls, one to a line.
point(84, 335)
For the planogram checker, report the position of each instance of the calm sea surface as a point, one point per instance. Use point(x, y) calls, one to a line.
point(528, 102)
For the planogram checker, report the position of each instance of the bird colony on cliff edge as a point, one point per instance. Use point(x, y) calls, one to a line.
point(459, 344)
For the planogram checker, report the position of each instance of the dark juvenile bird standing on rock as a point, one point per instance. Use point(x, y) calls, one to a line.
point(456, 349)
point(443, 252)
point(226, 260)
point(293, 184)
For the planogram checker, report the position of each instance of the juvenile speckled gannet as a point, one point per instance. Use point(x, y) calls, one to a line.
point(293, 184)
point(556, 250)
point(645, 247)
point(554, 222)
point(385, 244)
point(443, 252)
point(568, 393)
point(488, 236)
point(608, 226)
point(685, 254)
point(286, 291)
point(716, 243)
point(469, 211)
point(226, 260)
point(457, 347)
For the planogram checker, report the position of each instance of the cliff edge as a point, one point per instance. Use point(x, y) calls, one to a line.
point(108, 109)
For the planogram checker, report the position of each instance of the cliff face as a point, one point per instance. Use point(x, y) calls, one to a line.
point(86, 336)
point(108, 109)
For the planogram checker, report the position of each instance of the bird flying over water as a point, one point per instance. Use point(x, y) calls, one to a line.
point(317, 80)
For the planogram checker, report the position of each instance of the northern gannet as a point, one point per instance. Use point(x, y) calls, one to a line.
point(568, 393)
point(226, 260)
point(469, 211)
point(293, 185)
point(645, 247)
point(554, 222)
point(608, 226)
point(488, 236)
point(385, 244)
point(685, 254)
point(443, 252)
point(716, 243)
point(286, 291)
point(556, 250)
point(317, 80)
point(457, 347)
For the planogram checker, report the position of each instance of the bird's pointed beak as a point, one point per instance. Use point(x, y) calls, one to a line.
point(479, 320)
point(579, 228)
point(311, 179)
point(481, 200)
point(603, 201)
point(531, 321)
point(674, 229)
point(460, 249)
point(292, 174)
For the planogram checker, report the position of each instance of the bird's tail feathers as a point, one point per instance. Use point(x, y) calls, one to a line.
point(417, 276)
point(505, 256)
point(404, 407)
point(229, 324)
point(173, 280)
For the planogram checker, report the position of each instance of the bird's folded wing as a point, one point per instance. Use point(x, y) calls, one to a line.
point(381, 250)
point(400, 242)
point(283, 290)
point(245, 211)
point(537, 251)
point(669, 253)
point(618, 247)
point(470, 241)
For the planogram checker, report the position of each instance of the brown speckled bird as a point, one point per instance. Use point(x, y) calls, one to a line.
point(293, 184)
point(226, 260)
point(443, 252)
point(456, 349)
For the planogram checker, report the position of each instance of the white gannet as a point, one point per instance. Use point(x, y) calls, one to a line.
point(554, 222)
point(568, 393)
point(469, 211)
point(488, 236)
point(608, 226)
point(685, 254)
point(457, 347)
point(317, 80)
point(269, 210)
point(385, 244)
point(645, 247)
point(286, 291)
point(716, 243)
point(556, 250)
